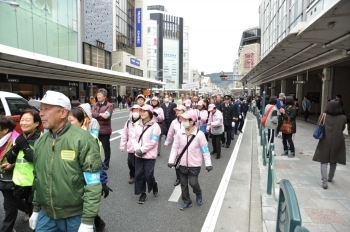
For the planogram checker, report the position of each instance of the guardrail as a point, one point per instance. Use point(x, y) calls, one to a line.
point(288, 214)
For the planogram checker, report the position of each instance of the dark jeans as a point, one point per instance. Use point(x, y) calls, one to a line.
point(106, 147)
point(216, 142)
point(288, 138)
point(186, 179)
point(167, 125)
point(280, 122)
point(228, 131)
point(144, 173)
point(131, 164)
point(11, 209)
point(306, 114)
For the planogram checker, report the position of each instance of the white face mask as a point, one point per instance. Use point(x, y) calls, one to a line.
point(135, 115)
point(185, 124)
point(166, 100)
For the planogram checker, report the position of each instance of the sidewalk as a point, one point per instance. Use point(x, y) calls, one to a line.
point(321, 210)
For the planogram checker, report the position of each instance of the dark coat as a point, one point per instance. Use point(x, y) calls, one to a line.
point(331, 148)
point(171, 107)
point(291, 113)
point(105, 124)
point(237, 106)
point(227, 113)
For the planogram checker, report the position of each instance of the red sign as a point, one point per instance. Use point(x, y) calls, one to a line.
point(248, 60)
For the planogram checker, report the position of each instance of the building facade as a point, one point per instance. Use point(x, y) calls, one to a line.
point(304, 50)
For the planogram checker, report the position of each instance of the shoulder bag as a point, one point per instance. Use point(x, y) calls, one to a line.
point(183, 151)
point(318, 133)
point(286, 127)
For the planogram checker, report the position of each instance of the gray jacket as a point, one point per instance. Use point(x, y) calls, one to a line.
point(272, 119)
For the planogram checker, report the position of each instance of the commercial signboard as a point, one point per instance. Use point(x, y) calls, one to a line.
point(248, 60)
point(171, 63)
point(138, 26)
point(193, 86)
point(135, 61)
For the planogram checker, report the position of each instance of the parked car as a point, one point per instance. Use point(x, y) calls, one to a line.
point(12, 104)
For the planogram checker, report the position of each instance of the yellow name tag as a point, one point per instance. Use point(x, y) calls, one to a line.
point(67, 154)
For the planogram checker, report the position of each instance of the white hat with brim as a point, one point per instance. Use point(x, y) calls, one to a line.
point(56, 99)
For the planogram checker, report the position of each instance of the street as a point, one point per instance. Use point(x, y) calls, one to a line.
point(121, 211)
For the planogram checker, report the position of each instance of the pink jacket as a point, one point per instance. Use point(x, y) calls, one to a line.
point(215, 120)
point(193, 156)
point(126, 136)
point(149, 141)
point(160, 113)
point(204, 116)
point(174, 128)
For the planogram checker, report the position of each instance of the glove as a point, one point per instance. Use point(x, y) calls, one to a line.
point(86, 228)
point(15, 150)
point(240, 116)
point(209, 168)
point(22, 142)
point(171, 165)
point(105, 190)
point(155, 114)
point(33, 220)
point(199, 118)
point(139, 152)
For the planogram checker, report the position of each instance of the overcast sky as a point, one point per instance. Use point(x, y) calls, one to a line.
point(216, 28)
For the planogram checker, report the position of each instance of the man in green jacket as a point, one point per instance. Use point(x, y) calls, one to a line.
point(67, 164)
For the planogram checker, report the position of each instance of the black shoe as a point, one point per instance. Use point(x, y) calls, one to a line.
point(106, 167)
point(213, 153)
point(232, 138)
point(142, 198)
point(177, 182)
point(217, 157)
point(158, 154)
point(240, 131)
point(227, 146)
point(155, 189)
point(237, 133)
point(223, 145)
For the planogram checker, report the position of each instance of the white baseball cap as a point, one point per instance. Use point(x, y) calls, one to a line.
point(56, 99)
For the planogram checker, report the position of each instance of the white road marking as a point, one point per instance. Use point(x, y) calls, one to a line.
point(176, 194)
point(120, 117)
point(118, 131)
point(115, 138)
point(213, 214)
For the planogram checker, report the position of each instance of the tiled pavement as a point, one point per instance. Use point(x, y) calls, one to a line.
point(321, 210)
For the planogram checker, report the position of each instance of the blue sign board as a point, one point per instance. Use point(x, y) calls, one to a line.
point(138, 34)
point(135, 61)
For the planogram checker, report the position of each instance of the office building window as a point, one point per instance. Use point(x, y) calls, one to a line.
point(125, 26)
point(134, 71)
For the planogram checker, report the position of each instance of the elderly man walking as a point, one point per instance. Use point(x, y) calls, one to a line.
point(67, 164)
point(103, 111)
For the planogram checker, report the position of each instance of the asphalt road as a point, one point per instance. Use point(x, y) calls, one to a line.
point(120, 209)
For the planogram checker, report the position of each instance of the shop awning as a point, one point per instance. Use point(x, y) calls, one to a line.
point(323, 41)
point(20, 62)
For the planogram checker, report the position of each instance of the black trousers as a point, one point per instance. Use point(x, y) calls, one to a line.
point(11, 206)
point(216, 142)
point(271, 137)
point(106, 147)
point(280, 122)
point(241, 124)
point(167, 125)
point(228, 131)
point(144, 173)
point(288, 138)
point(186, 179)
point(306, 114)
point(131, 164)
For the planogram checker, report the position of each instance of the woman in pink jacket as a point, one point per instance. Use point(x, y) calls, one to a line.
point(158, 117)
point(145, 142)
point(125, 140)
point(215, 120)
point(191, 161)
point(202, 116)
point(175, 127)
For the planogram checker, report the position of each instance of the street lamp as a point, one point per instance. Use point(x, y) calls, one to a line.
point(13, 4)
point(120, 61)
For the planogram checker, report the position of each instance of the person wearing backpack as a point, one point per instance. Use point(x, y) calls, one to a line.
point(270, 119)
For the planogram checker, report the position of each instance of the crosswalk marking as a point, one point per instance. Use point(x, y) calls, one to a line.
point(176, 194)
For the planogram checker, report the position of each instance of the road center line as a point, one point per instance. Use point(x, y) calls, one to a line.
point(176, 194)
point(213, 214)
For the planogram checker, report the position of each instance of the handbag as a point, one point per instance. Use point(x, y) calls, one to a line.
point(318, 133)
point(203, 128)
point(286, 127)
point(6, 182)
point(183, 151)
point(217, 130)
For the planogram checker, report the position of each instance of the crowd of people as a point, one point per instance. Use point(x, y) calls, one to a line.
point(73, 138)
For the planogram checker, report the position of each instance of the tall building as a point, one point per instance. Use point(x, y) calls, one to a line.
point(186, 56)
point(170, 48)
point(70, 46)
point(304, 50)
